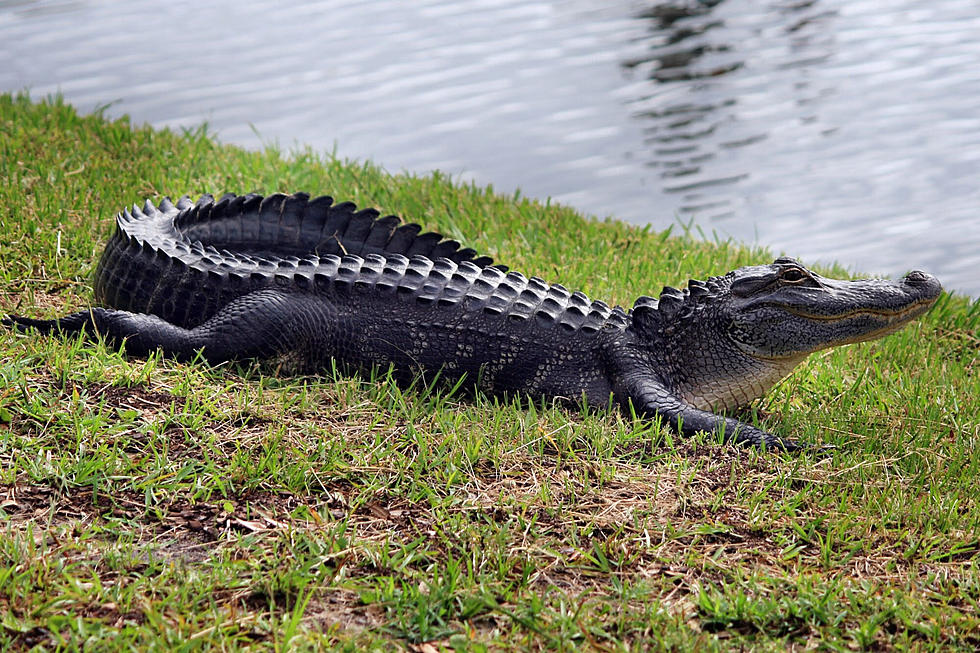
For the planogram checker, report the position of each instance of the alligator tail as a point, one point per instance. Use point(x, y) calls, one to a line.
point(295, 225)
point(183, 261)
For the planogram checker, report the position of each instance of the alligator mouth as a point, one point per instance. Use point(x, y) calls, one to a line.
point(888, 321)
point(897, 315)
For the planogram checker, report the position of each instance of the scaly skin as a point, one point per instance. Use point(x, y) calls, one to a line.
point(312, 283)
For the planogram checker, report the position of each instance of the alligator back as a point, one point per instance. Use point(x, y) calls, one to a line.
point(183, 262)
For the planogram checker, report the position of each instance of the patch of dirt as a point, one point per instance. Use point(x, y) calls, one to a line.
point(191, 533)
point(49, 302)
point(150, 407)
point(130, 398)
point(29, 638)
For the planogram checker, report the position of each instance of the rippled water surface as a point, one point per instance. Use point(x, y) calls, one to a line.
point(843, 130)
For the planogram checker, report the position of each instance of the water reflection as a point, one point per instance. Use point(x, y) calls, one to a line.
point(828, 125)
point(689, 130)
point(676, 41)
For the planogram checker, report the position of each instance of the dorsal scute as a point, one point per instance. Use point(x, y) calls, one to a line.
point(279, 224)
point(445, 285)
point(196, 250)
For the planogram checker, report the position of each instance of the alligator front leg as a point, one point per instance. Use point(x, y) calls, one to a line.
point(262, 324)
point(650, 398)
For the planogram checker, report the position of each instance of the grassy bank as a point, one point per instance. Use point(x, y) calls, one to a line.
point(151, 504)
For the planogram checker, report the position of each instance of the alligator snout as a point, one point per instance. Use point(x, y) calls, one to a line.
point(926, 284)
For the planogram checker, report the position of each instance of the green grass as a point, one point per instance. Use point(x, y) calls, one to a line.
point(153, 505)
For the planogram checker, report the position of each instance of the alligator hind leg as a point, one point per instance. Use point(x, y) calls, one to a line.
point(262, 324)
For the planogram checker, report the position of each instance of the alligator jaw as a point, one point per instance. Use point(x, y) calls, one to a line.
point(890, 321)
point(899, 315)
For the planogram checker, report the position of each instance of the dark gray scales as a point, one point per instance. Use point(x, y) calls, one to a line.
point(318, 282)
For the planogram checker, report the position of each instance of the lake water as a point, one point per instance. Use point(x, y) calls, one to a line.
point(831, 130)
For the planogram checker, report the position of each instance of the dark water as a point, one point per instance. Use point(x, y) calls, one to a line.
point(843, 130)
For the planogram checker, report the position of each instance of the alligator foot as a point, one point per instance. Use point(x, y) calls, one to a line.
point(748, 435)
point(654, 399)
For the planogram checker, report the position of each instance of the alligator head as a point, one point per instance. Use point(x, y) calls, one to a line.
point(731, 338)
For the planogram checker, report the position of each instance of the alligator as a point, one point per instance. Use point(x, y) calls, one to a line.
point(316, 283)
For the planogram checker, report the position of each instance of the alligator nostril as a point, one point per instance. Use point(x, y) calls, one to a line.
point(917, 277)
point(923, 282)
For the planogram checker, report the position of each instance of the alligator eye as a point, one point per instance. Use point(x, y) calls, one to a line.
point(793, 275)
